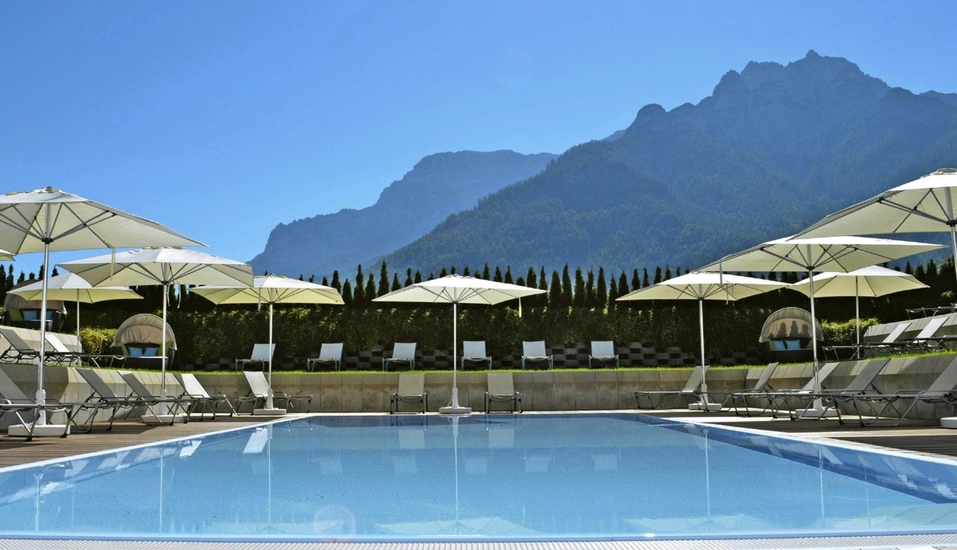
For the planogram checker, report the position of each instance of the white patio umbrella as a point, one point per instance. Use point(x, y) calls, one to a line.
point(810, 255)
point(703, 286)
point(71, 287)
point(455, 290)
point(871, 282)
point(271, 289)
point(49, 219)
point(161, 266)
point(925, 205)
point(5, 256)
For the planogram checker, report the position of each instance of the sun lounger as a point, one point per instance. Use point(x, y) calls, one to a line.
point(329, 354)
point(602, 352)
point(888, 344)
point(194, 390)
point(23, 345)
point(534, 352)
point(261, 355)
point(473, 352)
point(13, 400)
point(259, 392)
point(690, 390)
point(925, 339)
point(501, 388)
point(942, 390)
point(760, 388)
point(403, 354)
point(103, 397)
point(58, 353)
point(155, 404)
point(411, 390)
point(862, 384)
point(779, 400)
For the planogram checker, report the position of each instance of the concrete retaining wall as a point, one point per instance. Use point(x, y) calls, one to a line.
point(541, 390)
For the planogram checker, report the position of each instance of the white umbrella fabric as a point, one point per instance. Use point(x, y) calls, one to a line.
point(925, 205)
point(810, 255)
point(871, 282)
point(5, 256)
point(271, 289)
point(49, 219)
point(161, 266)
point(703, 286)
point(71, 287)
point(455, 290)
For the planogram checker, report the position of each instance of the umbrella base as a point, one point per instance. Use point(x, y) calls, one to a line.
point(164, 418)
point(269, 412)
point(452, 409)
point(47, 430)
point(947, 422)
point(699, 406)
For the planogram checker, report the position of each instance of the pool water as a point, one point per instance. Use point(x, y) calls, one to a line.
point(495, 478)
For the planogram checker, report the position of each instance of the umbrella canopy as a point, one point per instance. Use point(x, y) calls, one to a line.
point(68, 286)
point(925, 205)
point(872, 282)
point(271, 289)
point(161, 266)
point(457, 289)
point(5, 256)
point(50, 219)
point(703, 286)
point(810, 255)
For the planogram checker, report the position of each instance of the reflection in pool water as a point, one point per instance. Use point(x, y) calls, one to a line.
point(501, 477)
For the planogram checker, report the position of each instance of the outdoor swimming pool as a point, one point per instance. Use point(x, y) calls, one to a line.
point(497, 478)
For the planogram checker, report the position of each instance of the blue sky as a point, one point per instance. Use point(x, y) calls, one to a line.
point(224, 118)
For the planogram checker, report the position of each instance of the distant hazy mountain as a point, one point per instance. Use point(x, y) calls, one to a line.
point(437, 186)
point(773, 149)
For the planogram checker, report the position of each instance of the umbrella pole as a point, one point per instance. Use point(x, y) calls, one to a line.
point(704, 368)
point(455, 339)
point(41, 396)
point(162, 406)
point(857, 314)
point(269, 399)
point(454, 407)
point(953, 238)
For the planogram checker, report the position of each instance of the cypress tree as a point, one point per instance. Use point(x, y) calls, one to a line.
point(325, 282)
point(383, 280)
point(542, 299)
point(567, 290)
point(644, 278)
point(370, 290)
point(408, 277)
point(418, 277)
point(601, 292)
point(530, 280)
point(498, 275)
point(623, 284)
point(442, 273)
point(613, 293)
point(590, 297)
point(335, 281)
point(667, 275)
point(395, 282)
point(347, 293)
point(657, 274)
point(485, 273)
point(555, 292)
point(635, 281)
point(465, 272)
point(508, 275)
point(359, 298)
point(579, 294)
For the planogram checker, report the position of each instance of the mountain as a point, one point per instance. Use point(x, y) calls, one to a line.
point(773, 149)
point(439, 185)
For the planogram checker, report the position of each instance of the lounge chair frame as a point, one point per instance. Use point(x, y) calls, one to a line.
point(942, 390)
point(603, 351)
point(473, 352)
point(690, 390)
point(261, 355)
point(535, 352)
point(411, 389)
point(501, 389)
point(202, 399)
point(402, 353)
point(329, 354)
point(259, 392)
